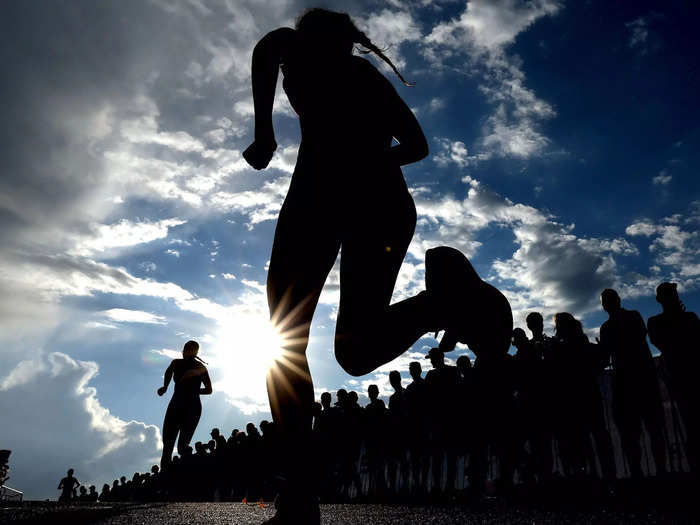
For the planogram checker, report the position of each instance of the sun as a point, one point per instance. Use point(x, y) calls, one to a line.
point(242, 353)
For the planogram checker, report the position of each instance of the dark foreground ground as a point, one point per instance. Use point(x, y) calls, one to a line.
point(231, 513)
point(663, 500)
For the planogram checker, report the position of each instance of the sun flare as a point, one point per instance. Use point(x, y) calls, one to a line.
point(242, 353)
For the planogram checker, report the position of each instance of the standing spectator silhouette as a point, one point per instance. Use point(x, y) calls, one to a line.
point(529, 380)
point(253, 449)
point(375, 429)
point(104, 493)
point(442, 381)
point(396, 439)
point(68, 486)
point(493, 418)
point(353, 416)
point(185, 408)
point(541, 341)
point(218, 462)
point(417, 410)
point(676, 333)
point(579, 411)
point(325, 434)
point(636, 397)
point(463, 412)
point(115, 492)
point(220, 440)
point(322, 423)
point(543, 346)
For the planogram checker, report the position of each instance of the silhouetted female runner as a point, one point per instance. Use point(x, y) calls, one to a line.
point(184, 408)
point(348, 192)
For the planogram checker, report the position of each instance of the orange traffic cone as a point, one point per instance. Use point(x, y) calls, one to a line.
point(261, 503)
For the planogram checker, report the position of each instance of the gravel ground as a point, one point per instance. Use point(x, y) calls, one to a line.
point(230, 513)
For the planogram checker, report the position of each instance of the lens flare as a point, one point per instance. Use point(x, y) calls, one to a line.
point(241, 355)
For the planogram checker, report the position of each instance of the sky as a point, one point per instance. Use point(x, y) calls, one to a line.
point(563, 160)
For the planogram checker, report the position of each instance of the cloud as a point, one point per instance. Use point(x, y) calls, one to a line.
point(52, 277)
point(122, 234)
point(662, 179)
point(675, 245)
point(42, 397)
point(148, 266)
point(390, 29)
point(436, 104)
point(551, 268)
point(639, 32)
point(451, 153)
point(506, 137)
point(482, 34)
point(490, 25)
point(258, 205)
point(144, 129)
point(121, 315)
point(166, 352)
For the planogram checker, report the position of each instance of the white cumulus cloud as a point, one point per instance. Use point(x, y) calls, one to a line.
point(41, 398)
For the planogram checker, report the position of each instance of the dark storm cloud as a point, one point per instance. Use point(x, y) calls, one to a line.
point(63, 61)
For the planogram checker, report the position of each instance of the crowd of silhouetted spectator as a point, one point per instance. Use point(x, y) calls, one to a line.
point(559, 406)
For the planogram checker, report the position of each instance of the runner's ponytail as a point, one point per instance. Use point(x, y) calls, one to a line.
point(365, 42)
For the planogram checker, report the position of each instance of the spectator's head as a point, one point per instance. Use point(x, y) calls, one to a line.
point(211, 445)
point(395, 380)
point(519, 338)
point(567, 327)
point(251, 429)
point(373, 392)
point(155, 469)
point(115, 483)
point(667, 295)
point(215, 433)
point(464, 364)
point(105, 487)
point(199, 447)
point(93, 488)
point(353, 398)
point(234, 432)
point(610, 300)
point(326, 400)
point(122, 480)
point(190, 350)
point(437, 357)
point(70, 472)
point(83, 490)
point(535, 323)
point(341, 396)
point(415, 370)
point(266, 427)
